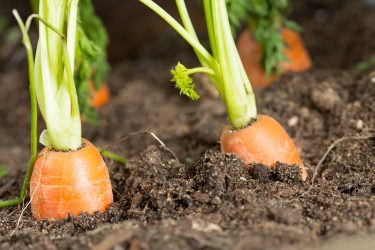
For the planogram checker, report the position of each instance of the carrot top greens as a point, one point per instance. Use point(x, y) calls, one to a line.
point(90, 55)
point(52, 76)
point(54, 79)
point(223, 65)
point(265, 19)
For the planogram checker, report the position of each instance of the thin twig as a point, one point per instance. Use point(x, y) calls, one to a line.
point(162, 144)
point(21, 214)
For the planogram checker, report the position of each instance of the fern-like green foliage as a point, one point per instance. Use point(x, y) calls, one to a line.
point(91, 57)
point(184, 82)
point(265, 19)
point(238, 13)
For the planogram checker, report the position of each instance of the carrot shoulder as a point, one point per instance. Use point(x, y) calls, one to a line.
point(250, 52)
point(69, 182)
point(265, 141)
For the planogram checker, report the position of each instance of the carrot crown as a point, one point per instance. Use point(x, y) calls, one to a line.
point(223, 65)
point(53, 72)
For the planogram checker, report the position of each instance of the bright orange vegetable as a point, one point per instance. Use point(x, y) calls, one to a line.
point(251, 53)
point(99, 97)
point(265, 141)
point(69, 182)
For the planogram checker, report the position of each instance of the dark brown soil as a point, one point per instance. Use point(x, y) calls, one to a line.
point(338, 33)
point(204, 199)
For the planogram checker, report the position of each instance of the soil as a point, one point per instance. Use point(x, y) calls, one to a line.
point(205, 199)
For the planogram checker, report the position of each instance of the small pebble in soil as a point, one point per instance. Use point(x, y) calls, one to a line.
point(356, 104)
point(304, 112)
point(293, 121)
point(325, 99)
point(217, 201)
point(359, 124)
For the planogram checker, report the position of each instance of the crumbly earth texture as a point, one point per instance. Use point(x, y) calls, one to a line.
point(204, 199)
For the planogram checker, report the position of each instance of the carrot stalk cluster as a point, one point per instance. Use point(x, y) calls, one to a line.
point(69, 175)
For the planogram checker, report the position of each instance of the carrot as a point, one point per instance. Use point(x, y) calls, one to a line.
point(265, 141)
point(99, 97)
point(69, 176)
point(228, 75)
point(69, 182)
point(250, 52)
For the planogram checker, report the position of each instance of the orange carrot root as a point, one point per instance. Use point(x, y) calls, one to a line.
point(70, 182)
point(295, 51)
point(100, 96)
point(251, 53)
point(265, 141)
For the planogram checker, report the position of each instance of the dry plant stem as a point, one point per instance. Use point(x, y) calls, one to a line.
point(19, 220)
point(162, 144)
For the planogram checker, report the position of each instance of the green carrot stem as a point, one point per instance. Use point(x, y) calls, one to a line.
point(117, 158)
point(34, 115)
point(9, 203)
point(33, 103)
point(54, 63)
point(208, 71)
point(226, 70)
point(191, 39)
